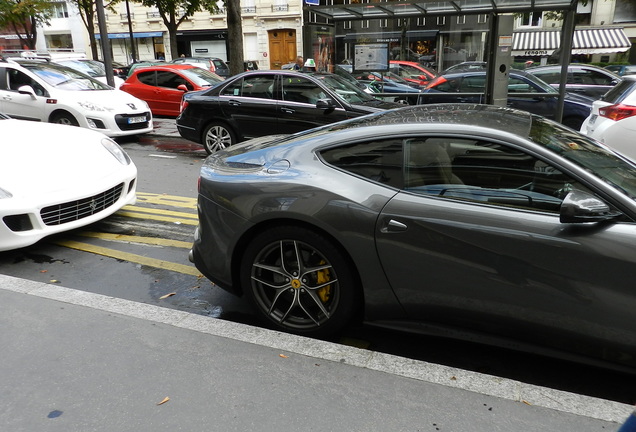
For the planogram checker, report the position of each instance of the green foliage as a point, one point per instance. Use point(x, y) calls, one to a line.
point(19, 12)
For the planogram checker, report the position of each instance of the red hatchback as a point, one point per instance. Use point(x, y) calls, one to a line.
point(162, 87)
point(413, 72)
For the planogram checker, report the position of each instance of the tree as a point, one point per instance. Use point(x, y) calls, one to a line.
point(174, 12)
point(235, 36)
point(24, 16)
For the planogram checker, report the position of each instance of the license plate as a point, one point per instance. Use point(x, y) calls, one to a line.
point(132, 120)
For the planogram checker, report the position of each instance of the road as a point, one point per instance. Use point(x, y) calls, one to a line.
point(140, 254)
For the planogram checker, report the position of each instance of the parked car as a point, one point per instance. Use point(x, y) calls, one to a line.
point(613, 118)
point(388, 82)
point(213, 64)
point(92, 68)
point(41, 91)
point(575, 109)
point(587, 80)
point(622, 69)
point(412, 71)
point(55, 178)
point(257, 103)
point(162, 87)
point(475, 221)
point(470, 65)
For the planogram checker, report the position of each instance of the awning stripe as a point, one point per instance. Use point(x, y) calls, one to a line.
point(593, 40)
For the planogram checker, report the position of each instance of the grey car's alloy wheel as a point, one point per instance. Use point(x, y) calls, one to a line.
point(217, 136)
point(65, 119)
point(298, 281)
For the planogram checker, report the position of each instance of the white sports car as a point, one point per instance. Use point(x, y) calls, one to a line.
point(56, 178)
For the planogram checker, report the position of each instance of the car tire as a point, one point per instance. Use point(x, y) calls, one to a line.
point(65, 119)
point(299, 299)
point(217, 136)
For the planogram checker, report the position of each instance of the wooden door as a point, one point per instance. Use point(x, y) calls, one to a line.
point(282, 47)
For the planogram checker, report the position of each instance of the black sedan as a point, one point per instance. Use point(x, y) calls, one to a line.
point(258, 103)
point(473, 221)
point(576, 108)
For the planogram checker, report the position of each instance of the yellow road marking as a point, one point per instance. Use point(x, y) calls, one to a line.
point(133, 258)
point(171, 200)
point(161, 212)
point(159, 218)
point(137, 239)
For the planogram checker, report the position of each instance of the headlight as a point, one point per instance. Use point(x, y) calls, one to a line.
point(92, 107)
point(5, 194)
point(116, 151)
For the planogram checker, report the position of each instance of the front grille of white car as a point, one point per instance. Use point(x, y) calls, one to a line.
point(75, 210)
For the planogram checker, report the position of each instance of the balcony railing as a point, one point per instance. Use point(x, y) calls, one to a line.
point(249, 9)
point(124, 16)
point(280, 8)
point(153, 14)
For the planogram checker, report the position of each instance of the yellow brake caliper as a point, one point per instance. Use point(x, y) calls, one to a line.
point(322, 277)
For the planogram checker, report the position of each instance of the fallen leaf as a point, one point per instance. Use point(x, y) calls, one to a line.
point(167, 295)
point(43, 271)
point(453, 378)
point(54, 281)
point(282, 355)
point(526, 402)
point(166, 399)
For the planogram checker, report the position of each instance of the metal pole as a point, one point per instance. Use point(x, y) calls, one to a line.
point(133, 53)
point(567, 34)
point(105, 43)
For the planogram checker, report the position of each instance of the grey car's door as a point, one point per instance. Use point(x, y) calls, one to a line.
point(474, 241)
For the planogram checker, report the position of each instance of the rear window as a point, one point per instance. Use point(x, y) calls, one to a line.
point(619, 92)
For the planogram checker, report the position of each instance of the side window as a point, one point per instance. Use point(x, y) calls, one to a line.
point(17, 79)
point(549, 77)
point(516, 85)
point(473, 84)
point(599, 78)
point(484, 172)
point(452, 85)
point(170, 80)
point(301, 90)
point(147, 78)
point(380, 161)
point(254, 86)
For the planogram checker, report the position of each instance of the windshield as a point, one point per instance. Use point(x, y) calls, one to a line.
point(347, 91)
point(585, 153)
point(64, 78)
point(90, 68)
point(544, 86)
point(202, 77)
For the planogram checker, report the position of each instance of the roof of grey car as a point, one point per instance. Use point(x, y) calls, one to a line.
point(494, 117)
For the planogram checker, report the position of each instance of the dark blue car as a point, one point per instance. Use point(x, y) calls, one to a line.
point(576, 108)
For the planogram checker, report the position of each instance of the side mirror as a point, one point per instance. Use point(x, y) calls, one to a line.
point(325, 104)
point(582, 207)
point(183, 88)
point(27, 89)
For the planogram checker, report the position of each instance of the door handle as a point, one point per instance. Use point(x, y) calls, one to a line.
point(234, 103)
point(7, 97)
point(287, 110)
point(394, 226)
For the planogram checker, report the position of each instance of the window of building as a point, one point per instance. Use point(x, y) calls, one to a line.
point(530, 19)
point(61, 41)
point(59, 9)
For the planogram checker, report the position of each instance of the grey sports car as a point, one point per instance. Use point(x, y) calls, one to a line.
point(472, 221)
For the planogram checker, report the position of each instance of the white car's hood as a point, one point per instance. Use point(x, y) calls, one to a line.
point(113, 100)
point(35, 158)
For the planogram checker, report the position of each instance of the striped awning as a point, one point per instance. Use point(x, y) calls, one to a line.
point(586, 41)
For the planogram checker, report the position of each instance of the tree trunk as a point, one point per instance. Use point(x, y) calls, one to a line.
point(172, 34)
point(235, 36)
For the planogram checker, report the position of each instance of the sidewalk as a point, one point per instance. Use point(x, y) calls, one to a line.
point(76, 361)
